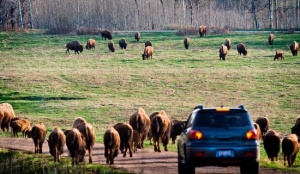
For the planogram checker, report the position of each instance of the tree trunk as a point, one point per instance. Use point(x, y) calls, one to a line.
point(271, 13)
point(297, 12)
point(276, 14)
point(30, 14)
point(20, 14)
point(253, 10)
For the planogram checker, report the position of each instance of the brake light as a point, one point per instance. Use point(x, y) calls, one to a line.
point(194, 134)
point(222, 109)
point(252, 134)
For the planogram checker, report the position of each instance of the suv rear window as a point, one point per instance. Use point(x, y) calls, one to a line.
point(221, 119)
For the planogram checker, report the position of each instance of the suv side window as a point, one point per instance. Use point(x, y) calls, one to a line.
point(190, 120)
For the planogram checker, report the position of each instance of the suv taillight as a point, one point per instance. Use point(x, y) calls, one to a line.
point(251, 134)
point(195, 134)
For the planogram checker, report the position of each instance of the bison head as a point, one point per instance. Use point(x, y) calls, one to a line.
point(80, 48)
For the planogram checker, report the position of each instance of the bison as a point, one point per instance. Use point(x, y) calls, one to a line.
point(126, 134)
point(186, 42)
point(296, 128)
point(90, 44)
point(137, 36)
point(122, 43)
point(76, 145)
point(176, 129)
point(278, 54)
point(202, 30)
point(140, 122)
point(264, 124)
point(160, 129)
point(148, 52)
point(111, 46)
point(148, 43)
point(223, 52)
point(290, 148)
point(228, 43)
point(271, 39)
point(87, 130)
point(272, 144)
point(294, 48)
point(7, 114)
point(111, 145)
point(241, 48)
point(20, 125)
point(38, 135)
point(258, 130)
point(106, 34)
point(56, 143)
point(74, 45)
point(135, 140)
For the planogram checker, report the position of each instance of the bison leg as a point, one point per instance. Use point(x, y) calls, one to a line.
point(90, 155)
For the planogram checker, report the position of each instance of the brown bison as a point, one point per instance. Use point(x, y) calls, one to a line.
point(122, 43)
point(140, 122)
point(290, 148)
point(176, 129)
point(258, 130)
point(186, 42)
point(294, 48)
point(7, 114)
point(76, 145)
point(278, 54)
point(137, 36)
point(90, 44)
point(126, 134)
point(271, 39)
point(148, 52)
point(296, 128)
point(111, 145)
point(135, 141)
point(74, 45)
point(160, 129)
point(223, 52)
point(228, 43)
point(111, 46)
point(148, 43)
point(202, 30)
point(264, 124)
point(272, 144)
point(38, 135)
point(241, 48)
point(106, 34)
point(56, 143)
point(20, 125)
point(87, 130)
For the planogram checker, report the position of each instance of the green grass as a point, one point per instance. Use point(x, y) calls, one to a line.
point(45, 84)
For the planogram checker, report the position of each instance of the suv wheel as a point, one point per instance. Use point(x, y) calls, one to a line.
point(189, 168)
point(250, 168)
point(181, 166)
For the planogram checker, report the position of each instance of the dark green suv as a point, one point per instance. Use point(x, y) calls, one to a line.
point(220, 136)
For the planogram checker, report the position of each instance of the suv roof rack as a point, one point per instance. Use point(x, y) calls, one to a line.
point(200, 106)
point(242, 106)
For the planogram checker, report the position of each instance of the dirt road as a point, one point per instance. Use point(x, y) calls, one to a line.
point(145, 161)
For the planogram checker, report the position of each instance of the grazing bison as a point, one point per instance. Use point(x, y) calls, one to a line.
point(290, 148)
point(111, 145)
point(122, 43)
point(148, 52)
point(87, 130)
point(160, 129)
point(56, 143)
point(294, 48)
point(296, 128)
point(241, 48)
point(271, 39)
point(7, 114)
point(278, 54)
point(202, 30)
point(74, 45)
point(111, 46)
point(228, 43)
point(135, 141)
point(176, 129)
point(140, 122)
point(223, 52)
point(20, 125)
point(106, 34)
point(91, 43)
point(258, 130)
point(76, 145)
point(148, 43)
point(272, 144)
point(38, 135)
point(126, 134)
point(264, 124)
point(186, 42)
point(137, 36)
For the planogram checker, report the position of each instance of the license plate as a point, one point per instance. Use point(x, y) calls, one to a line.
point(224, 153)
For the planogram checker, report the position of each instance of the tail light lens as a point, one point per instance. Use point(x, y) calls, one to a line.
point(196, 135)
point(251, 134)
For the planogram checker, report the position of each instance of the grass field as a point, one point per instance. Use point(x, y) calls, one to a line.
point(47, 85)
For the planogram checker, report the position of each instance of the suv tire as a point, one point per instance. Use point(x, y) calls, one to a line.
point(250, 168)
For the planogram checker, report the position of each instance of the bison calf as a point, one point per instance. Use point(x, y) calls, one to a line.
point(186, 42)
point(38, 134)
point(56, 143)
point(126, 134)
point(272, 144)
point(74, 45)
point(111, 46)
point(177, 128)
point(241, 48)
point(148, 52)
point(122, 43)
point(264, 124)
point(202, 31)
point(223, 52)
point(135, 141)
point(111, 145)
point(76, 145)
point(294, 48)
point(271, 39)
point(137, 36)
point(90, 44)
point(278, 54)
point(290, 148)
point(20, 125)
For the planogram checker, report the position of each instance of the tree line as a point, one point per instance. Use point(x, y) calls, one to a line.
point(148, 14)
